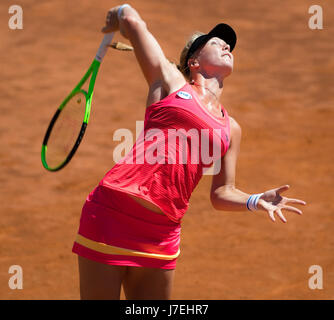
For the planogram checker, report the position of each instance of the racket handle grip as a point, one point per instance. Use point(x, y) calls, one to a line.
point(106, 41)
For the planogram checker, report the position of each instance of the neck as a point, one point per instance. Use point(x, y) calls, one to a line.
point(199, 85)
point(208, 96)
point(211, 92)
point(212, 85)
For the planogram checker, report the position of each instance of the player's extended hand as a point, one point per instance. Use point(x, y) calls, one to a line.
point(112, 24)
point(272, 202)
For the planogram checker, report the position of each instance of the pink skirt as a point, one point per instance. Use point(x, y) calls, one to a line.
point(116, 230)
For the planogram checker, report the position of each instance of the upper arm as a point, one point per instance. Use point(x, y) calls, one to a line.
point(153, 63)
point(227, 173)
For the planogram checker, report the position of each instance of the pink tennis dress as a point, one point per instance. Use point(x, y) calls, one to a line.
point(179, 142)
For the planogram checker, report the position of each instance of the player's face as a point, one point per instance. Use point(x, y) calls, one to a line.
point(215, 57)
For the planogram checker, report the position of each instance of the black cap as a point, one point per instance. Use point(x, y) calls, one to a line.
point(222, 31)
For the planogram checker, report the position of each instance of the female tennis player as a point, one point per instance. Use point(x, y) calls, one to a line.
point(129, 233)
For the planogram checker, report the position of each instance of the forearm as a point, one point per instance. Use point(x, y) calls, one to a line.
point(147, 50)
point(229, 198)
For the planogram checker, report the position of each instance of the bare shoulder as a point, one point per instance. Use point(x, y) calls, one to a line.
point(234, 124)
point(235, 130)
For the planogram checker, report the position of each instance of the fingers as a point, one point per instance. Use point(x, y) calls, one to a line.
point(107, 26)
point(286, 187)
point(271, 215)
point(282, 188)
point(280, 214)
point(108, 18)
point(292, 209)
point(278, 203)
point(297, 201)
point(111, 20)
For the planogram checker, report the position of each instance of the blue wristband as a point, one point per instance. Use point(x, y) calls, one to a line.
point(248, 202)
point(252, 201)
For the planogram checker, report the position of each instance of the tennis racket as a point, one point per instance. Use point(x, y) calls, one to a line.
point(69, 123)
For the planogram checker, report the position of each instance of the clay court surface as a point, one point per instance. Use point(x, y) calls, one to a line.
point(281, 93)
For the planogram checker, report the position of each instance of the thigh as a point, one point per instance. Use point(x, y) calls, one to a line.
point(148, 283)
point(99, 281)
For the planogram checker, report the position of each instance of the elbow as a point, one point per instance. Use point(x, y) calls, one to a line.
point(219, 198)
point(219, 204)
point(214, 201)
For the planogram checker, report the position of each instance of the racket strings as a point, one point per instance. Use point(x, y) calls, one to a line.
point(66, 130)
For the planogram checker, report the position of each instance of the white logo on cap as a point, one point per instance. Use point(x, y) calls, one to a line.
point(184, 95)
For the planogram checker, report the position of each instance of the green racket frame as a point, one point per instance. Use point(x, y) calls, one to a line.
point(92, 71)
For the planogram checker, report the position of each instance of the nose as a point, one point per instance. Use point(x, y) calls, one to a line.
point(226, 47)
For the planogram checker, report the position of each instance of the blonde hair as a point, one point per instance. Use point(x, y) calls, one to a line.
point(183, 66)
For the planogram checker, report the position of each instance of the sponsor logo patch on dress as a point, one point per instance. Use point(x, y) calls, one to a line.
point(184, 95)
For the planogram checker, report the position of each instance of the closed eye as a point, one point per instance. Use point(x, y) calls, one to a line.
point(215, 42)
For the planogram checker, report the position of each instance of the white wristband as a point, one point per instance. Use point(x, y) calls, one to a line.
point(252, 201)
point(120, 9)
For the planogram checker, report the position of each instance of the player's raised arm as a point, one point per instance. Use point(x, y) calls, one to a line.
point(153, 63)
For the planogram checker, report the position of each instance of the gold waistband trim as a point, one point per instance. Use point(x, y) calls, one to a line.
point(107, 249)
